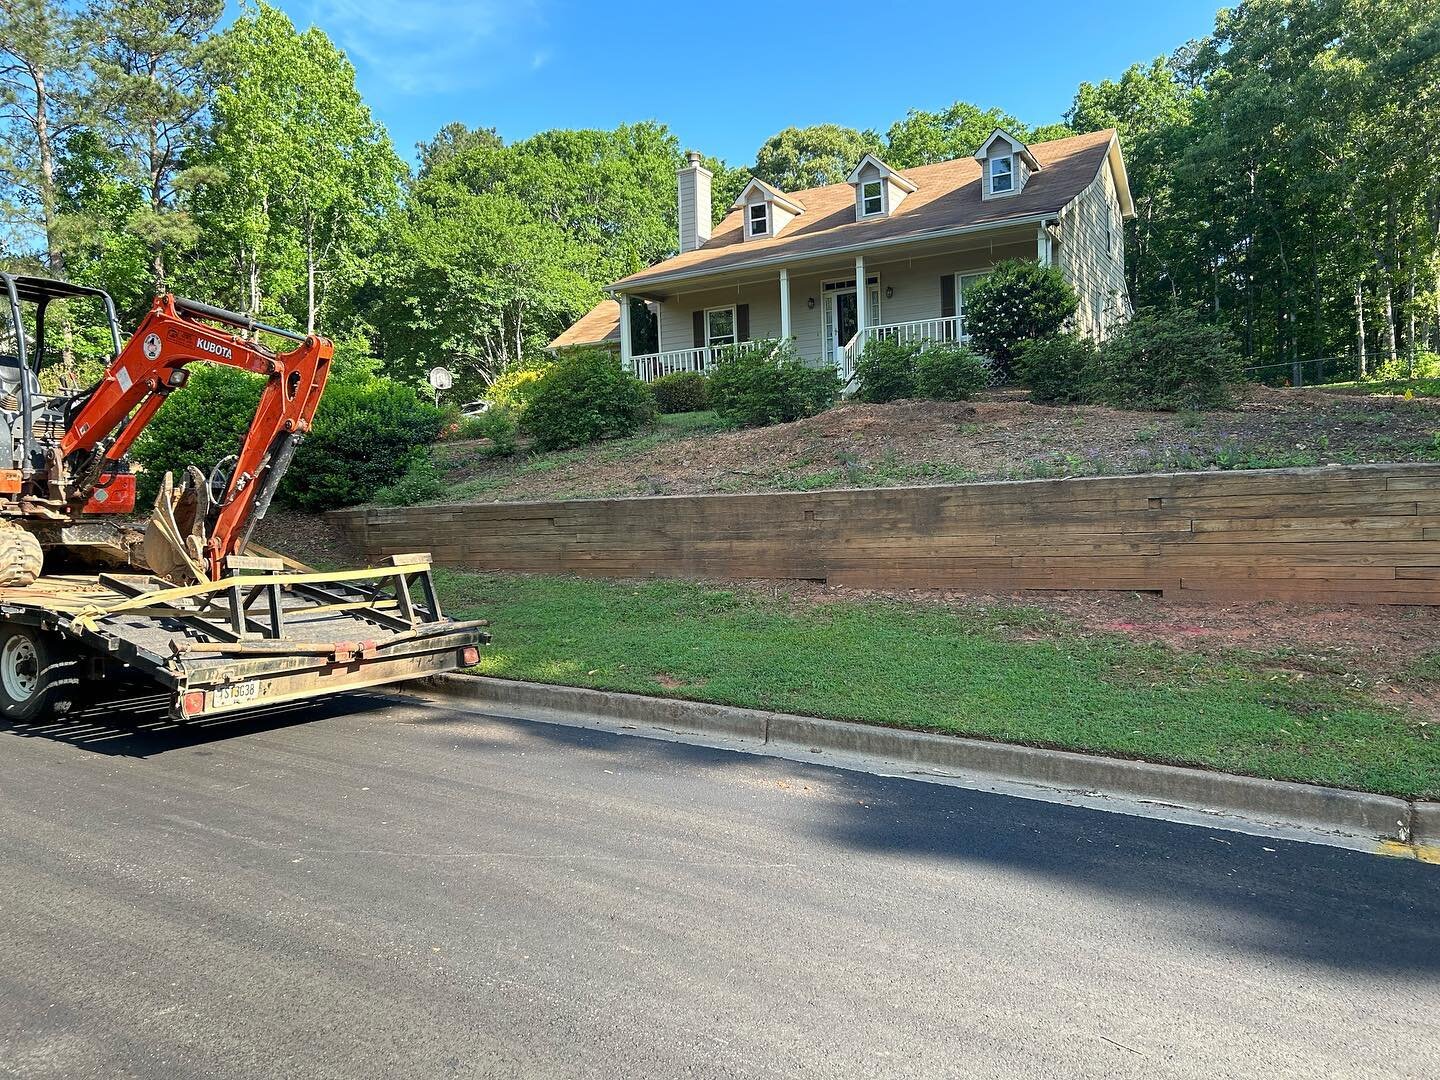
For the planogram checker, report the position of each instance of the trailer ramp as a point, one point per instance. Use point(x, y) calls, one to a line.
point(263, 634)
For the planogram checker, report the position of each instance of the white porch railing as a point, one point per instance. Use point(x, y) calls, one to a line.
point(651, 366)
point(921, 330)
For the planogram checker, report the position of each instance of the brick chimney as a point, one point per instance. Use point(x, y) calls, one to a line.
point(694, 184)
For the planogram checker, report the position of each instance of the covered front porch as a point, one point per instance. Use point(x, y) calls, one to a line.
point(910, 293)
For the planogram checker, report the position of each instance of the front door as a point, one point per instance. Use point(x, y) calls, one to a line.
point(843, 320)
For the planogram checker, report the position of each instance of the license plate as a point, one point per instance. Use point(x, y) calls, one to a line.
point(236, 694)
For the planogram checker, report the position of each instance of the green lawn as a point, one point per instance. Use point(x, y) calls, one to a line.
point(927, 667)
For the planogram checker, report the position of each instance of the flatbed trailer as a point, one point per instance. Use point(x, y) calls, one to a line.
point(263, 634)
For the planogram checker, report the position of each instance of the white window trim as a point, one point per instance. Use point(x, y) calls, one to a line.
point(750, 219)
point(734, 326)
point(990, 173)
point(961, 277)
point(884, 200)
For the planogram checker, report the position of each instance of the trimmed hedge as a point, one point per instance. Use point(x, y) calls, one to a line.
point(1057, 369)
point(1167, 360)
point(583, 397)
point(765, 384)
point(682, 392)
point(945, 372)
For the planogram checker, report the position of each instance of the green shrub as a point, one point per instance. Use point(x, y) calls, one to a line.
point(1167, 360)
point(498, 424)
point(199, 424)
point(421, 483)
point(515, 387)
point(682, 392)
point(1018, 301)
point(946, 372)
point(770, 385)
point(1057, 369)
point(1425, 365)
point(368, 433)
point(886, 370)
point(583, 397)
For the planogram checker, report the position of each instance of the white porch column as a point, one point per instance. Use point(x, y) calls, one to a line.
point(862, 296)
point(1042, 246)
point(625, 363)
point(784, 304)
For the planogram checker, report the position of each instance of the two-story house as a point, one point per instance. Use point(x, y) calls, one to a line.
point(887, 253)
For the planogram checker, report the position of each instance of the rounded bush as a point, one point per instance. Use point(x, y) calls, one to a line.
point(368, 432)
point(682, 392)
point(886, 370)
point(420, 484)
point(583, 397)
point(1167, 360)
point(1057, 369)
point(1018, 301)
point(760, 386)
point(945, 372)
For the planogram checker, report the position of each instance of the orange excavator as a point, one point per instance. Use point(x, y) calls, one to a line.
point(188, 604)
point(64, 460)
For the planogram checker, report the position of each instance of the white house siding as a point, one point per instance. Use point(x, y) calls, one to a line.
point(1096, 272)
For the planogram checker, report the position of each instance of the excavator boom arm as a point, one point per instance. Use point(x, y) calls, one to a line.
point(178, 332)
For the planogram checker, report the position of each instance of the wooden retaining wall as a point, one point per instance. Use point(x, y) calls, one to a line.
point(1365, 534)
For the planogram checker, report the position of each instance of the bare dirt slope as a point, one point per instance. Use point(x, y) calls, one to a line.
point(925, 442)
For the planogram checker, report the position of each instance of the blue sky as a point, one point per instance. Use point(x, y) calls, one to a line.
point(721, 83)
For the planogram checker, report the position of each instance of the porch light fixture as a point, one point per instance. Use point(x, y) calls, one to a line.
point(810, 303)
point(889, 292)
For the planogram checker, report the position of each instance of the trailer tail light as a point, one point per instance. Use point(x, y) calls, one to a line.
point(113, 495)
point(469, 656)
point(193, 703)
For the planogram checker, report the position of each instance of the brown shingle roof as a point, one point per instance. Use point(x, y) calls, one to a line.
point(947, 196)
point(597, 326)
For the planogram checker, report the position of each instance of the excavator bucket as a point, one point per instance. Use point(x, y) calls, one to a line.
point(176, 535)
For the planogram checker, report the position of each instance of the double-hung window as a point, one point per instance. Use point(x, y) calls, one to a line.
point(872, 197)
point(720, 326)
point(759, 218)
point(1002, 175)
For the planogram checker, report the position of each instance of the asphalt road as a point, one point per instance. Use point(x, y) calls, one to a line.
point(368, 889)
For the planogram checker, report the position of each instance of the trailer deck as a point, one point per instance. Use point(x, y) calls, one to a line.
point(263, 634)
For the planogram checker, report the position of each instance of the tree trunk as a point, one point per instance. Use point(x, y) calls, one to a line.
point(1360, 325)
point(309, 274)
point(1390, 351)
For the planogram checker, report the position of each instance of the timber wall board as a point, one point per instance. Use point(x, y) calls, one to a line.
point(1364, 534)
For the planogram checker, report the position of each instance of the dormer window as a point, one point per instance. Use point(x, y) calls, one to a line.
point(765, 210)
point(879, 189)
point(1002, 175)
point(872, 198)
point(1006, 165)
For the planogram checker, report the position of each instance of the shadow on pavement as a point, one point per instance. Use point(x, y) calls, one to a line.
point(138, 726)
point(1327, 906)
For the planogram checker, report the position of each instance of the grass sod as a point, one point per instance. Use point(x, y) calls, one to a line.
point(935, 669)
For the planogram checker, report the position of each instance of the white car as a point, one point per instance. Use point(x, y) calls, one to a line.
point(475, 408)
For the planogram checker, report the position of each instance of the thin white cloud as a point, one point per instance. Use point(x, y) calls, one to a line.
point(435, 46)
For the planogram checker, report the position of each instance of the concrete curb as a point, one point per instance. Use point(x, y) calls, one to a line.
point(1352, 813)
